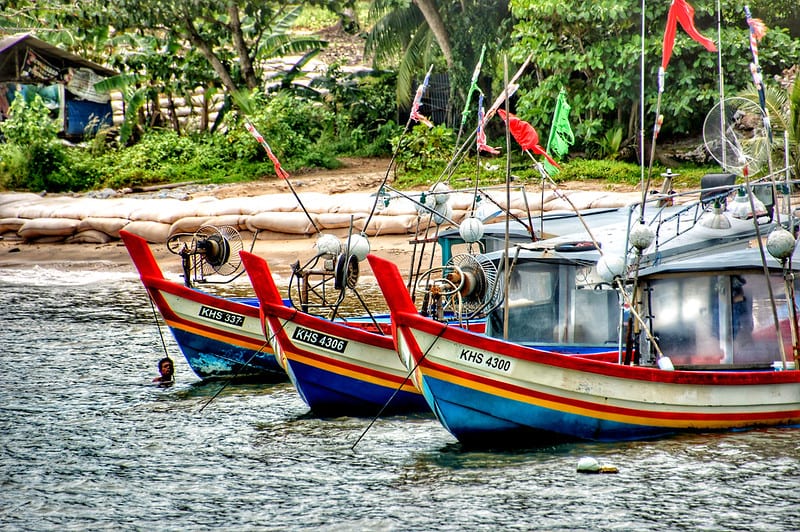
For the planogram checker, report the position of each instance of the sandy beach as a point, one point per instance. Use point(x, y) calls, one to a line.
point(355, 175)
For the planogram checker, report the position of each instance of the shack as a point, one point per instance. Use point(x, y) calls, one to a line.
point(64, 80)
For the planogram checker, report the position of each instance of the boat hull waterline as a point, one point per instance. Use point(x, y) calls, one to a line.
point(486, 390)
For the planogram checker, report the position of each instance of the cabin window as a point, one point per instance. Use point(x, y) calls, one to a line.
point(547, 306)
point(718, 319)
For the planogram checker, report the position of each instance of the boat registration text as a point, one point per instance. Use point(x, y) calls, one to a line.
point(482, 359)
point(228, 318)
point(319, 339)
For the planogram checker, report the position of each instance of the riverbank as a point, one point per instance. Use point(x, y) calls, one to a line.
point(113, 256)
point(336, 198)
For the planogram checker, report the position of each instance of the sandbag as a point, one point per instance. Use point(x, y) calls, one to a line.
point(90, 236)
point(388, 225)
point(190, 224)
point(109, 226)
point(11, 203)
point(153, 232)
point(41, 227)
point(351, 202)
point(42, 207)
point(616, 199)
point(11, 225)
point(578, 200)
point(237, 221)
point(114, 208)
point(336, 220)
point(281, 222)
point(165, 210)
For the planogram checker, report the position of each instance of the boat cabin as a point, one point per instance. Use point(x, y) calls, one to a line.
point(700, 312)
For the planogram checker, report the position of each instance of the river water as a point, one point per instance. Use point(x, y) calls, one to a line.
point(88, 442)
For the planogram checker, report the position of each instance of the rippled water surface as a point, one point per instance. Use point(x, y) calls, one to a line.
point(88, 442)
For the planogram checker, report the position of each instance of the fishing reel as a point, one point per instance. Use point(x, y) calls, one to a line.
point(208, 251)
point(321, 284)
point(462, 289)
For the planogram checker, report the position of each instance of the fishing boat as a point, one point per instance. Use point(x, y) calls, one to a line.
point(698, 343)
point(220, 337)
point(337, 368)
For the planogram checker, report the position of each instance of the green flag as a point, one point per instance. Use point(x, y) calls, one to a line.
point(561, 136)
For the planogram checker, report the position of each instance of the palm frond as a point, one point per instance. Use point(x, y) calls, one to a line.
point(413, 63)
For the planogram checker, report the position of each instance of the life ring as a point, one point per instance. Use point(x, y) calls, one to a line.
point(571, 247)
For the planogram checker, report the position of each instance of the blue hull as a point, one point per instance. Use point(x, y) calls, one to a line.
point(214, 359)
point(331, 394)
point(483, 419)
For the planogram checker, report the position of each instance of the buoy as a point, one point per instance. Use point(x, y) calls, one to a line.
point(641, 236)
point(328, 245)
point(443, 213)
point(440, 191)
point(609, 267)
point(358, 246)
point(780, 243)
point(587, 464)
point(471, 230)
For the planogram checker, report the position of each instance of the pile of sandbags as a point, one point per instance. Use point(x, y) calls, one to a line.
point(34, 218)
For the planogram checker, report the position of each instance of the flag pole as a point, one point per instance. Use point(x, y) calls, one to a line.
point(755, 69)
point(641, 104)
point(283, 174)
point(473, 86)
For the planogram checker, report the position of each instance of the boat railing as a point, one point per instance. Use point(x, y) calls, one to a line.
point(686, 217)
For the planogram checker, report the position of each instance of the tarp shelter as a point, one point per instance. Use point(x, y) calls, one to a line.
point(27, 63)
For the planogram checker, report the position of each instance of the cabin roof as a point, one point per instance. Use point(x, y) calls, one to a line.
point(26, 59)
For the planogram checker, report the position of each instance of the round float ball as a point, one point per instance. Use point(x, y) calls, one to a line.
point(609, 267)
point(440, 191)
point(443, 213)
point(780, 243)
point(328, 245)
point(471, 230)
point(358, 246)
point(642, 236)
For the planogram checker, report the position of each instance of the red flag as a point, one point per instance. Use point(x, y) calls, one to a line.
point(275, 162)
point(681, 12)
point(525, 135)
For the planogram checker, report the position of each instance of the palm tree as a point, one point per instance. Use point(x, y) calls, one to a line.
point(783, 108)
point(446, 33)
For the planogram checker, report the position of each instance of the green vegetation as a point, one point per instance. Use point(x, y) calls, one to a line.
point(168, 48)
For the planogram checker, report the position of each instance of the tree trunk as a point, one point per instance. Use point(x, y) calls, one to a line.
point(436, 24)
point(196, 40)
point(241, 47)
